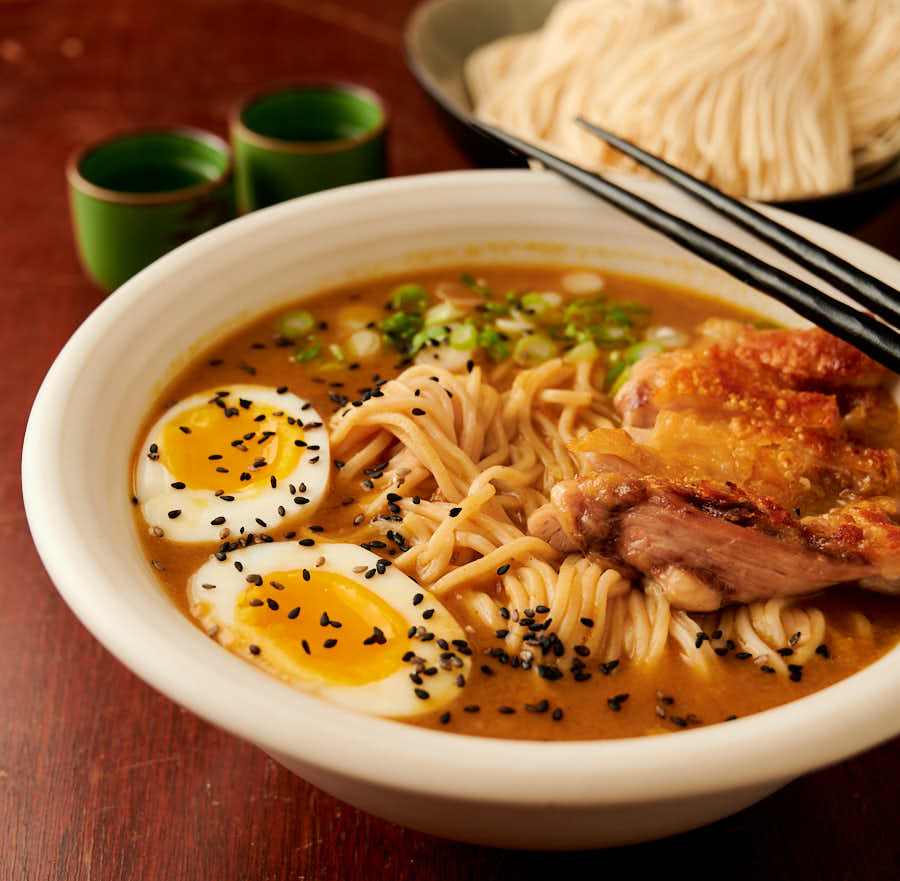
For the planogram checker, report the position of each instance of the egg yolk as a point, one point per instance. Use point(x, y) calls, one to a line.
point(321, 624)
point(230, 448)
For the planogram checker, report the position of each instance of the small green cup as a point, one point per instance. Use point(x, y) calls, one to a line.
point(136, 196)
point(305, 138)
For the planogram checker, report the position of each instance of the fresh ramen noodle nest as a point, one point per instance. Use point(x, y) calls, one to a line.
point(771, 99)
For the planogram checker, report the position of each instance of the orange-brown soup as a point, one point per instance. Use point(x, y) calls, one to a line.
point(611, 697)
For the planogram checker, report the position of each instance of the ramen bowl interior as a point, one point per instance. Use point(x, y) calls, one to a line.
point(75, 474)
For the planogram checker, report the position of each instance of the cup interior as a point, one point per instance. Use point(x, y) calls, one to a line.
point(314, 114)
point(155, 162)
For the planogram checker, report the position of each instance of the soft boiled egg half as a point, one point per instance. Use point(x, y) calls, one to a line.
point(241, 458)
point(337, 620)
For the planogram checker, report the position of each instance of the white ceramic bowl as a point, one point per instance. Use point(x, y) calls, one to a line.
point(76, 487)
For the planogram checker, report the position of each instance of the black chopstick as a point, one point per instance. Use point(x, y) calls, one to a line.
point(868, 334)
point(867, 290)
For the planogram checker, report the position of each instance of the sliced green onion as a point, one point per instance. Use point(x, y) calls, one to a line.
point(423, 337)
point(539, 303)
point(618, 315)
point(667, 337)
point(473, 283)
point(582, 282)
point(617, 377)
point(307, 353)
point(493, 343)
point(337, 352)
point(410, 298)
point(534, 349)
point(296, 324)
point(400, 328)
point(464, 336)
point(586, 351)
point(364, 343)
point(442, 314)
point(635, 353)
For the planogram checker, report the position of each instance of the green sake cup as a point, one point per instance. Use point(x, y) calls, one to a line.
point(305, 138)
point(136, 196)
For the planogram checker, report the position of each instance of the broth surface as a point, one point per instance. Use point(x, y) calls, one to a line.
point(612, 699)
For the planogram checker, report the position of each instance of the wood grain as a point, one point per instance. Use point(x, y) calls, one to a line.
point(102, 778)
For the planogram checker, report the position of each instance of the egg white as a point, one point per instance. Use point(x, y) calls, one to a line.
point(394, 695)
point(197, 507)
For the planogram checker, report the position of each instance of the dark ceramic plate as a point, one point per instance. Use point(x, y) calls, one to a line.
point(440, 34)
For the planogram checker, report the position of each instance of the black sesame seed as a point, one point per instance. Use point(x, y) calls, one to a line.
point(557, 714)
point(588, 622)
point(174, 514)
point(421, 694)
point(305, 645)
point(823, 651)
point(427, 614)
point(254, 649)
point(455, 512)
point(507, 711)
point(294, 612)
point(502, 570)
point(488, 671)
point(445, 718)
point(471, 708)
point(767, 669)
point(330, 643)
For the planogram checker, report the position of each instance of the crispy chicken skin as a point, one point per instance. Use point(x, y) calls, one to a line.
point(755, 476)
point(787, 375)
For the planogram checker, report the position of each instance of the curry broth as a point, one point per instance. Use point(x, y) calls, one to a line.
point(668, 697)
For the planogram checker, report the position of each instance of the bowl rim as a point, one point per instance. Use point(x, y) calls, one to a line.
point(771, 746)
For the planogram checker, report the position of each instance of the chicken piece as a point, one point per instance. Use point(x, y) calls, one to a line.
point(709, 544)
point(741, 437)
point(806, 470)
point(788, 375)
point(795, 416)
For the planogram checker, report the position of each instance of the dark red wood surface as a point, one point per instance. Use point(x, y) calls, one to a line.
point(102, 778)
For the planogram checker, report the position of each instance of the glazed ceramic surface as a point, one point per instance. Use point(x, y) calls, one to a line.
point(76, 486)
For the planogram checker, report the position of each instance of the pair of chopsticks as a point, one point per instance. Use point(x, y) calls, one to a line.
point(877, 339)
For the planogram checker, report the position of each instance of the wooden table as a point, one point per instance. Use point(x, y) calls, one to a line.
point(102, 778)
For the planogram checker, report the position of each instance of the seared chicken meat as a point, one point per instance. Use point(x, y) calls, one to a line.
point(763, 469)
